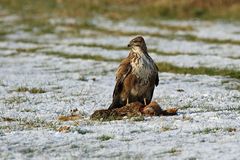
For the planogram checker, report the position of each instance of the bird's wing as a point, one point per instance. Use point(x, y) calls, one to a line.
point(157, 78)
point(122, 72)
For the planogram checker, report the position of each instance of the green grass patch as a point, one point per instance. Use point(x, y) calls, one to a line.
point(215, 130)
point(172, 28)
point(111, 47)
point(3, 33)
point(163, 53)
point(166, 128)
point(88, 25)
point(207, 131)
point(8, 119)
point(30, 90)
point(82, 131)
point(26, 151)
point(83, 56)
point(234, 57)
point(108, 47)
point(167, 67)
point(39, 25)
point(104, 137)
point(133, 33)
point(171, 151)
point(16, 100)
point(174, 151)
point(28, 50)
point(189, 37)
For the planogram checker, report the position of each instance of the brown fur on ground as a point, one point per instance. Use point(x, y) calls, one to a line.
point(134, 109)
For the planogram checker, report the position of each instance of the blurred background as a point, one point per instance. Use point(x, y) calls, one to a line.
point(122, 9)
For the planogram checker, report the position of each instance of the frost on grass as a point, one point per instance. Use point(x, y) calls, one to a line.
point(30, 90)
point(50, 85)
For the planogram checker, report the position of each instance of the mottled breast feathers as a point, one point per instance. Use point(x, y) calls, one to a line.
point(127, 82)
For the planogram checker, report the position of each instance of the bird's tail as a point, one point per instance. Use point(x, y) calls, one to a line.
point(111, 106)
point(115, 104)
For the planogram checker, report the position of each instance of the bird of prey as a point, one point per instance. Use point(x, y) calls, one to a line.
point(136, 76)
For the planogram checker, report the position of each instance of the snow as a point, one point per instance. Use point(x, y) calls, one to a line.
point(206, 127)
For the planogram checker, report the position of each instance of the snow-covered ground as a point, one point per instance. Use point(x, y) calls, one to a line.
point(207, 124)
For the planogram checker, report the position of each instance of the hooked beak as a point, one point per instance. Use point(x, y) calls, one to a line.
point(129, 45)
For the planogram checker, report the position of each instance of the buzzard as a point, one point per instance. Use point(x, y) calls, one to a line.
point(136, 76)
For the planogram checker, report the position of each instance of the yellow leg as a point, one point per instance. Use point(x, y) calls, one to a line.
point(145, 101)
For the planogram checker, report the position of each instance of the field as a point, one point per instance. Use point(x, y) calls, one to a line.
point(58, 66)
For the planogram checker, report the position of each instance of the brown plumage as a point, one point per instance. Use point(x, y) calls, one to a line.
point(136, 76)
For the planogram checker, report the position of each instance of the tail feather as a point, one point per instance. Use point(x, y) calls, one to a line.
point(115, 104)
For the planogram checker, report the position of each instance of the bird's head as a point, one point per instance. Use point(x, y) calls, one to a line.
point(138, 43)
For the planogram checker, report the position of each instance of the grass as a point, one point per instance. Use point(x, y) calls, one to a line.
point(28, 50)
point(144, 10)
point(230, 129)
point(187, 106)
point(169, 27)
point(104, 137)
point(138, 119)
point(30, 90)
point(167, 67)
point(82, 78)
point(27, 110)
point(174, 151)
point(37, 123)
point(83, 56)
point(163, 66)
point(83, 131)
point(214, 130)
point(171, 151)
point(8, 119)
point(163, 53)
point(171, 36)
point(16, 100)
point(229, 85)
point(166, 128)
point(3, 33)
point(27, 124)
point(190, 37)
point(209, 130)
point(94, 45)
point(151, 50)
point(2, 83)
point(27, 151)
